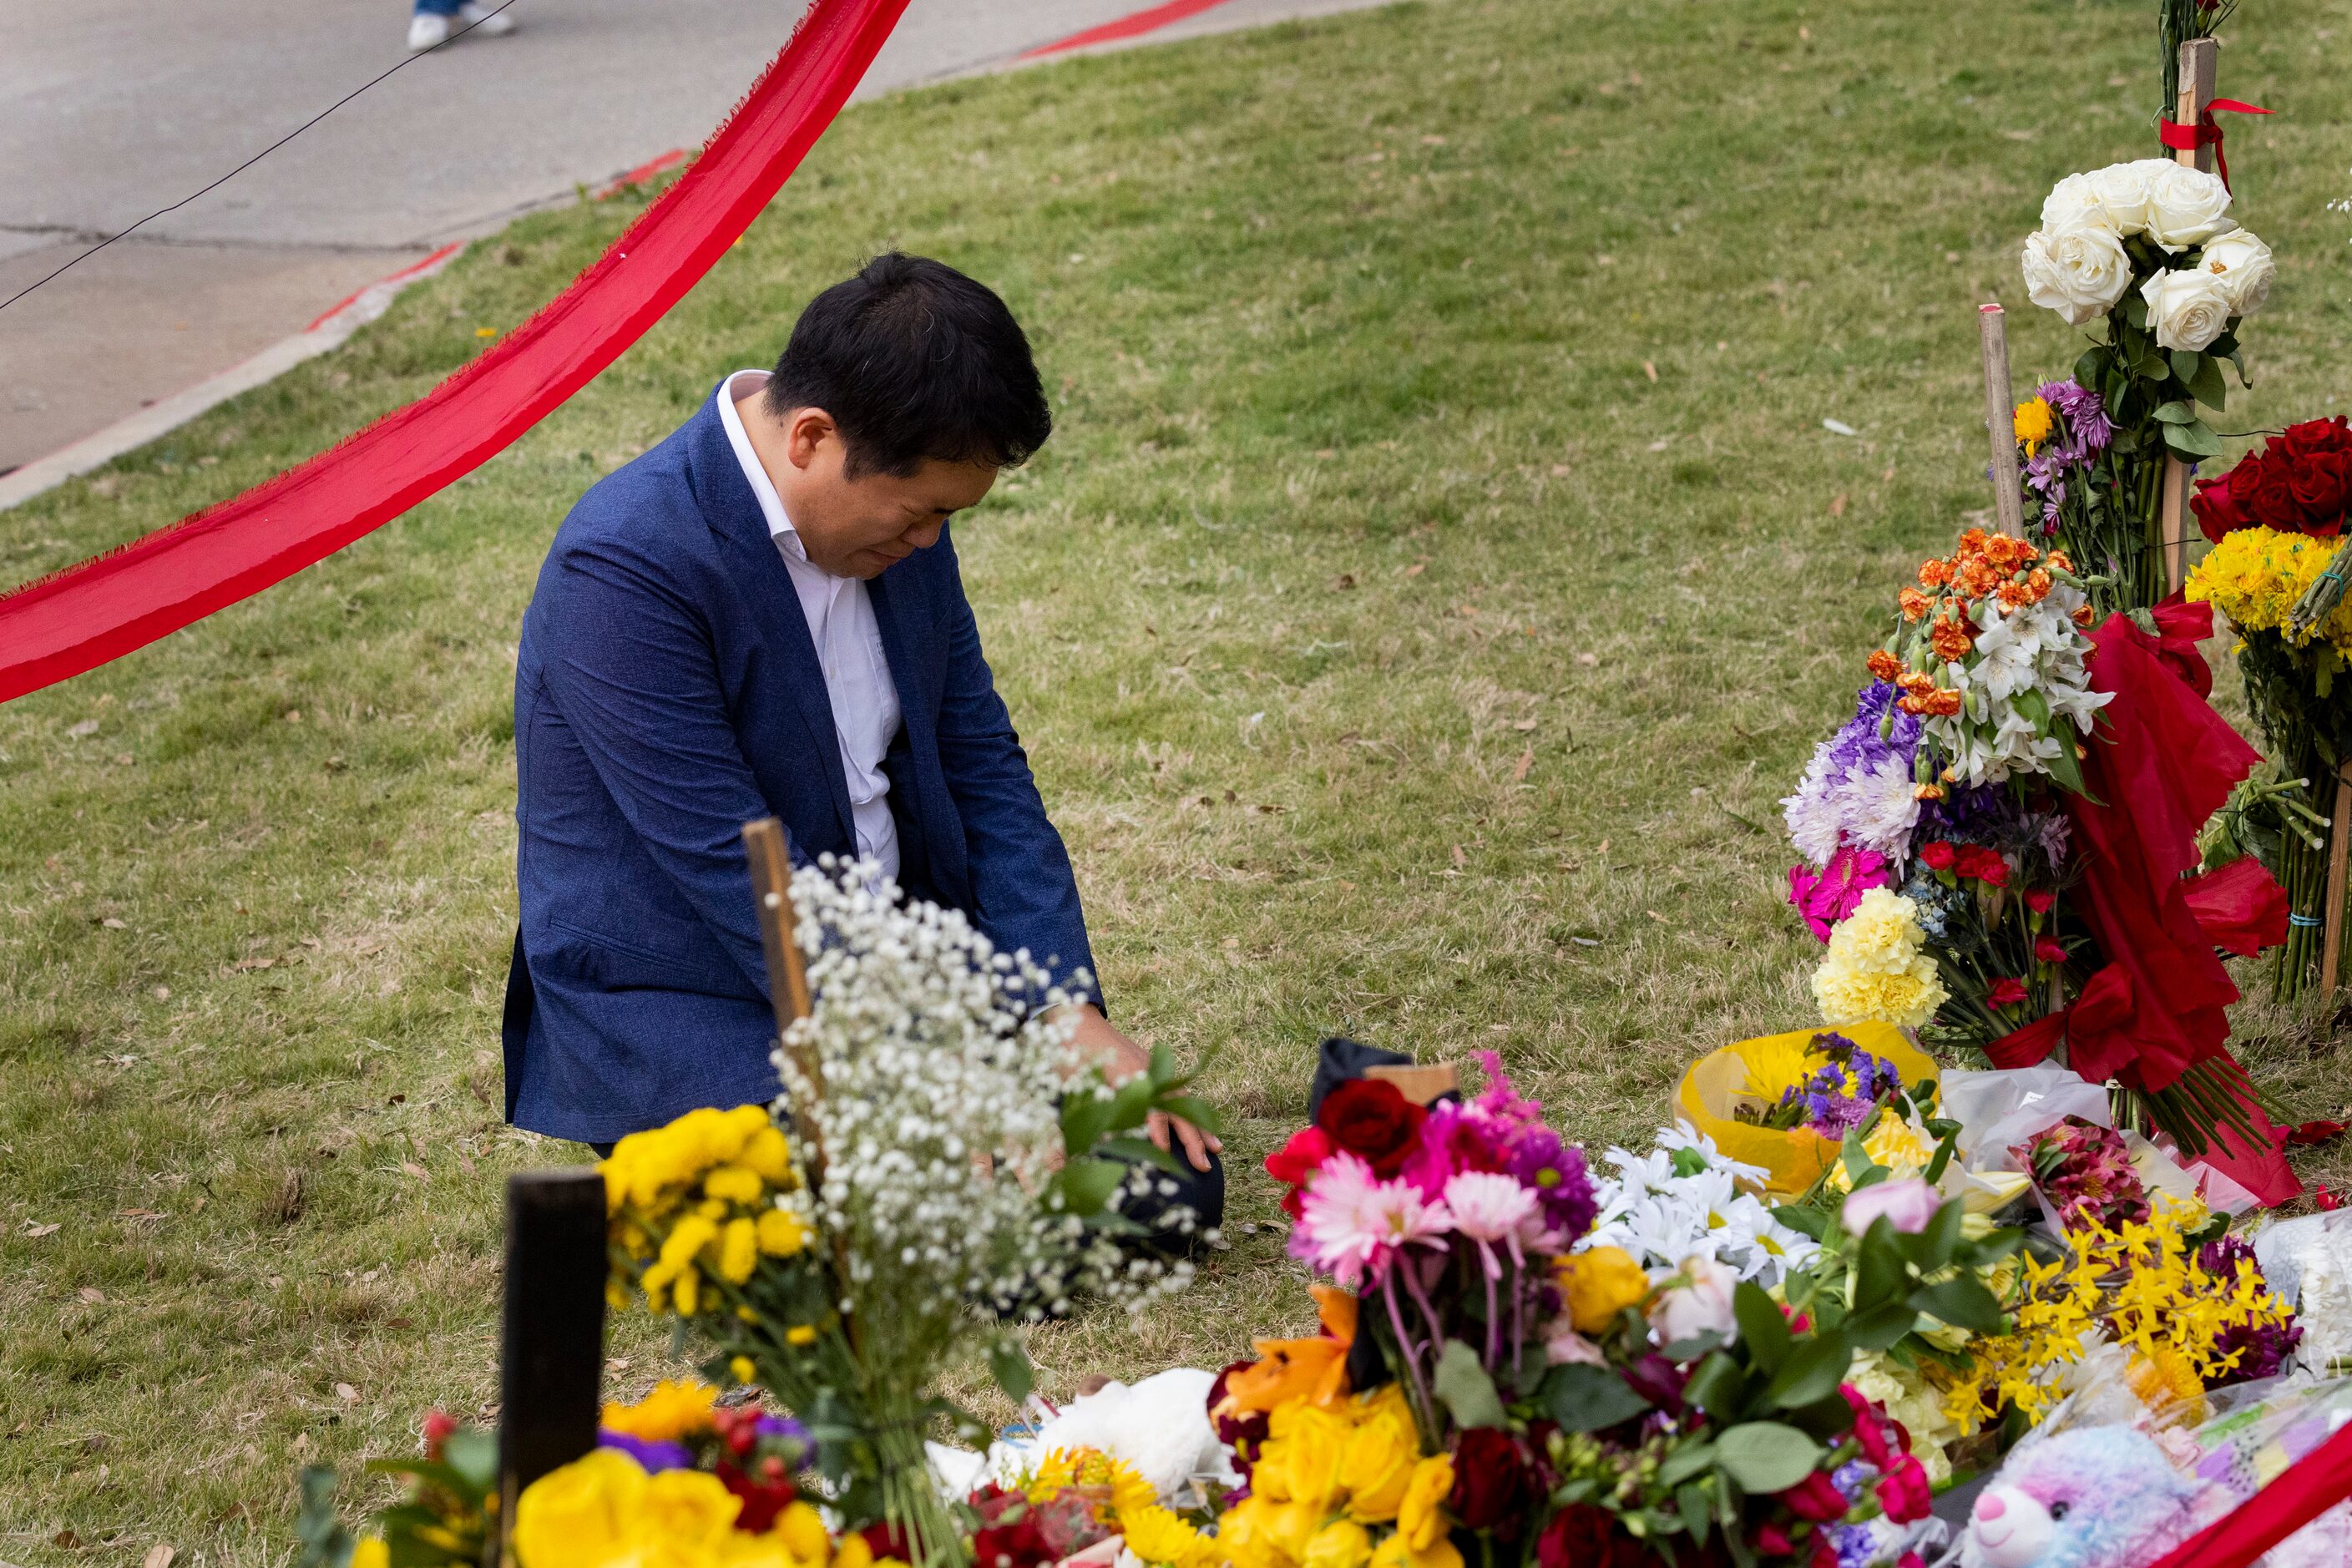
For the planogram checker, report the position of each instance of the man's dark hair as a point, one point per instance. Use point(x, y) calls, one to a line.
point(914, 360)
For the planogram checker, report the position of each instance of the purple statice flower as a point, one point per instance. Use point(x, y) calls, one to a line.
point(1555, 1171)
point(652, 1454)
point(782, 1428)
point(1857, 789)
point(2089, 429)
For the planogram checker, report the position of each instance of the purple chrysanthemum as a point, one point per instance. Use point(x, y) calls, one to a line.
point(652, 1454)
point(1857, 789)
point(1555, 1171)
point(2089, 429)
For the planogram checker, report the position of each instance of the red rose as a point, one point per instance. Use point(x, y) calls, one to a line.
point(2272, 500)
point(2041, 901)
point(1372, 1119)
point(2329, 435)
point(1583, 1536)
point(1938, 855)
point(2221, 503)
point(2323, 483)
point(2006, 993)
point(1815, 1498)
point(2049, 951)
point(1494, 1483)
point(1295, 1164)
point(1773, 1541)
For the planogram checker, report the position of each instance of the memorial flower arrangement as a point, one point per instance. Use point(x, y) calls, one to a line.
point(2148, 250)
point(946, 1151)
point(2267, 579)
point(1933, 824)
point(2067, 462)
point(1498, 1375)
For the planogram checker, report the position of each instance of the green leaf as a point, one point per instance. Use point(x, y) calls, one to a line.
point(1698, 1512)
point(1086, 1183)
point(1680, 1464)
point(1814, 1369)
point(1464, 1388)
point(2184, 366)
point(1941, 1239)
point(1881, 1326)
point(1194, 1109)
point(325, 1542)
point(1716, 1387)
point(1584, 1398)
point(2175, 413)
point(1761, 1327)
point(2192, 441)
point(1008, 1364)
point(1131, 1102)
point(1879, 1271)
point(1803, 1221)
point(1162, 1067)
point(1963, 1304)
point(2091, 368)
point(2208, 386)
point(1085, 1117)
point(473, 1453)
point(1765, 1455)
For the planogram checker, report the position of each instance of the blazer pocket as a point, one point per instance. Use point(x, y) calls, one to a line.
point(657, 956)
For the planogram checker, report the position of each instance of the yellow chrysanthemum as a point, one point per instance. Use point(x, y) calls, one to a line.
point(2034, 423)
point(1159, 1537)
point(2255, 576)
point(1067, 1467)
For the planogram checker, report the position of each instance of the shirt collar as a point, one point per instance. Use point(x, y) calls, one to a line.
point(763, 489)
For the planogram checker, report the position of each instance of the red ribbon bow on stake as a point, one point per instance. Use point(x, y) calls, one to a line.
point(2205, 133)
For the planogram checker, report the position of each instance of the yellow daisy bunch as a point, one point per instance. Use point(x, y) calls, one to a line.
point(2255, 576)
point(604, 1512)
point(1343, 1486)
point(697, 1198)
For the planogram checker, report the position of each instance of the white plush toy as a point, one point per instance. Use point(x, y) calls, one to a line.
point(2095, 1497)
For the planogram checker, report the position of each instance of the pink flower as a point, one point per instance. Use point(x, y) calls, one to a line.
point(1903, 1492)
point(1910, 1205)
point(1351, 1224)
point(1453, 1140)
point(2049, 950)
point(1566, 1347)
point(1490, 1208)
point(1828, 896)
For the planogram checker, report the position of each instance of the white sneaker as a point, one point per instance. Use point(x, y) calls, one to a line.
point(487, 21)
point(427, 31)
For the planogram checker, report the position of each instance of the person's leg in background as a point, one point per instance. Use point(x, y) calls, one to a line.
point(435, 22)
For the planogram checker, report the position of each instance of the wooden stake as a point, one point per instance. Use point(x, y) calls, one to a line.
point(2000, 429)
point(2199, 63)
point(2339, 852)
point(552, 1360)
point(1419, 1083)
point(771, 891)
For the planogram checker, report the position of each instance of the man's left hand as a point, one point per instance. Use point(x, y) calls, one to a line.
point(1122, 1059)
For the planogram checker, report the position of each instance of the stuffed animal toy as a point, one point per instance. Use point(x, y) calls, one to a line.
point(2095, 1497)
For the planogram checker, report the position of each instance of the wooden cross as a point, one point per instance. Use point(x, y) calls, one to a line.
point(551, 1355)
point(2199, 60)
point(2339, 848)
point(2000, 421)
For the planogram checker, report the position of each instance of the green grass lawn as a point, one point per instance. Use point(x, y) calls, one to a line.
point(1441, 569)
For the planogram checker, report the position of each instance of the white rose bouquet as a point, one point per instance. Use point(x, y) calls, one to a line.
point(2150, 248)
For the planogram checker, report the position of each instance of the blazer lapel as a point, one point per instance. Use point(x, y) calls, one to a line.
point(734, 515)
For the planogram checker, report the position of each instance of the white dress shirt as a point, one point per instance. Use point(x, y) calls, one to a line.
point(841, 623)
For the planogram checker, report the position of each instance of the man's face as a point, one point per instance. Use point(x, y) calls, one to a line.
point(861, 527)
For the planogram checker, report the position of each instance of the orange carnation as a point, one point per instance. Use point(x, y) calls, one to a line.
point(1952, 639)
point(2082, 615)
point(1915, 603)
point(1934, 574)
point(1885, 665)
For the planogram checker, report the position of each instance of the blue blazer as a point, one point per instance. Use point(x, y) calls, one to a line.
point(667, 692)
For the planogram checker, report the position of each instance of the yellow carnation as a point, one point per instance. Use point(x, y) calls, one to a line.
point(1906, 998)
point(582, 1515)
point(1596, 1284)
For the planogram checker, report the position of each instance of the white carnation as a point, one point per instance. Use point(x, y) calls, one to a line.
point(2079, 272)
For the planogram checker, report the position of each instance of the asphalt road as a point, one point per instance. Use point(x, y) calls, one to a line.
point(111, 109)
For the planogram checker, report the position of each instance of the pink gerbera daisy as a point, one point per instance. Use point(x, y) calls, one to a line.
point(1350, 1225)
point(1490, 1208)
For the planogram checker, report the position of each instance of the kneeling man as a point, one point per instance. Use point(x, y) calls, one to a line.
point(762, 615)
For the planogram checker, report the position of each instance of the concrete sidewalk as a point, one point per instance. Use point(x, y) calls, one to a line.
point(114, 108)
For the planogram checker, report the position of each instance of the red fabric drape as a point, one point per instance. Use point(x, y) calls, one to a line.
point(2239, 907)
point(2160, 764)
point(106, 606)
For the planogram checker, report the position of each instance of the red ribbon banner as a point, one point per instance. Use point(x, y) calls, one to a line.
point(2205, 133)
point(109, 605)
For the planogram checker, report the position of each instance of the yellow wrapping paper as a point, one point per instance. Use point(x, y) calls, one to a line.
point(1719, 1083)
